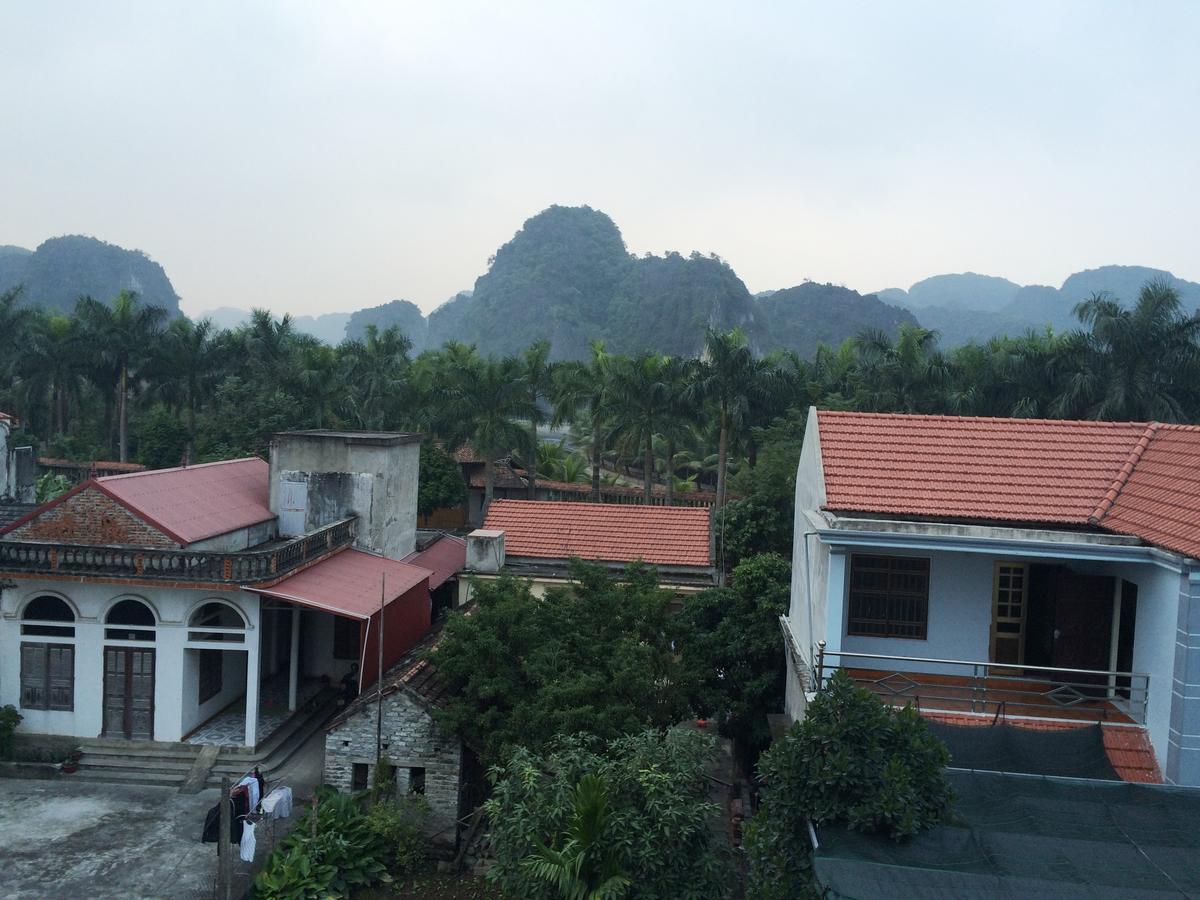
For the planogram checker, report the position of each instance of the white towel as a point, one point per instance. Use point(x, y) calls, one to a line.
point(278, 803)
point(248, 843)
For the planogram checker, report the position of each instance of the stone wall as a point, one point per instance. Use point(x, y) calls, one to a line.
point(411, 740)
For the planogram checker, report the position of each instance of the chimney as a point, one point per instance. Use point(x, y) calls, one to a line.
point(319, 477)
point(485, 551)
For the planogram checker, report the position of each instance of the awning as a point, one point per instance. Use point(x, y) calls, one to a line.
point(445, 558)
point(348, 584)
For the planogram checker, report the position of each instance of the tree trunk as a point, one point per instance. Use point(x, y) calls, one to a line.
point(648, 466)
point(722, 459)
point(489, 483)
point(61, 393)
point(191, 427)
point(596, 443)
point(123, 415)
point(533, 462)
point(670, 471)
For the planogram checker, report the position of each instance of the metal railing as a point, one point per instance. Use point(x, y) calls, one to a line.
point(957, 685)
point(208, 566)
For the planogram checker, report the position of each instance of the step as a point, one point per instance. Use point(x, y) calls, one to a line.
point(233, 766)
point(143, 764)
point(186, 757)
point(127, 776)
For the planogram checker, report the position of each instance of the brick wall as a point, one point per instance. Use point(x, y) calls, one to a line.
point(91, 517)
point(411, 739)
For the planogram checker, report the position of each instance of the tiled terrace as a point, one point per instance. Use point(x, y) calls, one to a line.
point(228, 727)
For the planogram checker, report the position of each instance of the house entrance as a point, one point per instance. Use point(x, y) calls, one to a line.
point(129, 693)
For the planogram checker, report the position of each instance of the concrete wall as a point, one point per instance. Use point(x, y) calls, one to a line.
point(242, 539)
point(91, 601)
point(411, 739)
point(810, 568)
point(372, 476)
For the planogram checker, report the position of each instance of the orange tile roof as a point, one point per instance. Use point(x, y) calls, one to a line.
point(1135, 478)
point(612, 532)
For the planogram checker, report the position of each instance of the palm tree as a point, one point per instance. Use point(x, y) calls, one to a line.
point(906, 375)
point(1134, 364)
point(51, 366)
point(640, 392)
point(538, 377)
point(123, 335)
point(486, 397)
point(729, 379)
point(15, 321)
point(584, 868)
point(377, 375)
point(188, 369)
point(586, 387)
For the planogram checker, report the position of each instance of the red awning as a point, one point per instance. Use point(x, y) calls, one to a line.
point(348, 584)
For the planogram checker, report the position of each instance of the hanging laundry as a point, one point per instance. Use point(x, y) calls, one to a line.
point(251, 784)
point(248, 843)
point(278, 803)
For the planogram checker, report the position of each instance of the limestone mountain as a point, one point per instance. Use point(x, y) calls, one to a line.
point(799, 318)
point(63, 269)
point(398, 312)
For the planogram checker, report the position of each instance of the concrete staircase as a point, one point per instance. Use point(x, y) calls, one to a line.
point(170, 764)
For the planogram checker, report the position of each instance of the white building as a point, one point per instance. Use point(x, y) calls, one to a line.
point(220, 597)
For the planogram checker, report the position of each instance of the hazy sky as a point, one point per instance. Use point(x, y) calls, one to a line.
point(323, 157)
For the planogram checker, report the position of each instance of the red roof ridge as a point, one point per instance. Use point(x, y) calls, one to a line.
point(1110, 496)
point(208, 465)
point(947, 417)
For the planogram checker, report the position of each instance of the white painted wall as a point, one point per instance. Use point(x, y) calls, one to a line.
point(241, 539)
point(233, 685)
point(1154, 645)
point(91, 601)
point(960, 612)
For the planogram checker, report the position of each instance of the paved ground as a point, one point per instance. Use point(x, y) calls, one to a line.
point(66, 839)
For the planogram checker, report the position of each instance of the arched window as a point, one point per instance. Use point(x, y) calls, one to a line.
point(216, 621)
point(129, 620)
point(42, 615)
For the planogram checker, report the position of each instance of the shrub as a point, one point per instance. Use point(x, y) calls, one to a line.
point(852, 761)
point(656, 827)
point(9, 720)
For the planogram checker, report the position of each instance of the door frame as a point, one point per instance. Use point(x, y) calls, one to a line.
point(1018, 634)
point(127, 711)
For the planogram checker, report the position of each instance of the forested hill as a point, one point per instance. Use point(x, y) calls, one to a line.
point(568, 277)
point(63, 269)
point(969, 307)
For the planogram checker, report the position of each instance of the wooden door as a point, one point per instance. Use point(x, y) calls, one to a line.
point(1083, 607)
point(129, 693)
point(1010, 606)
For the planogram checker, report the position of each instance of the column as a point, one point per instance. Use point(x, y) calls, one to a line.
point(835, 601)
point(294, 661)
point(252, 677)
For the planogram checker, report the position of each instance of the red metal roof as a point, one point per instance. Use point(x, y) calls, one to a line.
point(196, 502)
point(444, 558)
point(613, 532)
point(348, 584)
point(1135, 478)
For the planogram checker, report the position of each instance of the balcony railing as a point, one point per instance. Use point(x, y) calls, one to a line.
point(207, 566)
point(998, 689)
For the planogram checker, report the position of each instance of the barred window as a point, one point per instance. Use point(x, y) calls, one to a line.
point(889, 597)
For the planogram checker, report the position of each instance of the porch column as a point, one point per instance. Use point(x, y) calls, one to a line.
point(252, 678)
point(1115, 637)
point(294, 660)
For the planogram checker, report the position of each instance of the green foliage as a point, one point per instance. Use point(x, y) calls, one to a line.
point(729, 643)
point(852, 761)
point(636, 807)
point(161, 439)
point(596, 658)
point(347, 850)
point(441, 482)
point(583, 868)
point(9, 720)
point(49, 485)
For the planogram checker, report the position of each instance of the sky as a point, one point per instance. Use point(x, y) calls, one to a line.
point(320, 157)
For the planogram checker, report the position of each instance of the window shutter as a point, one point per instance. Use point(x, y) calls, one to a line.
point(33, 676)
point(62, 677)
